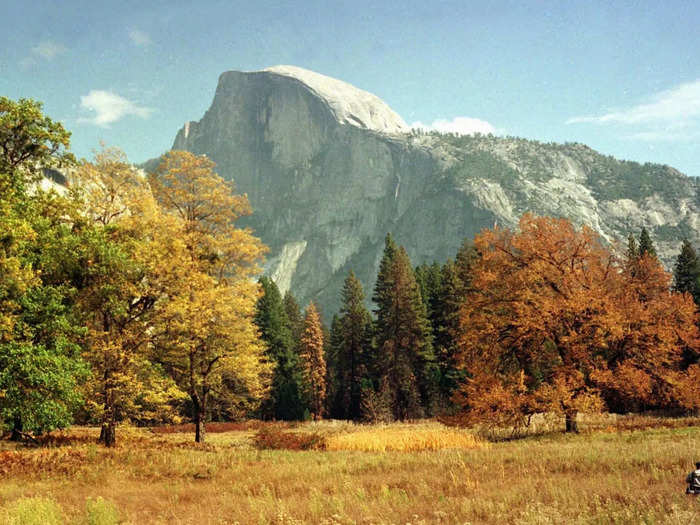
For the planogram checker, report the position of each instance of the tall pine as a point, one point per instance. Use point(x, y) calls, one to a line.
point(285, 400)
point(405, 356)
point(313, 363)
point(354, 327)
point(686, 273)
point(646, 246)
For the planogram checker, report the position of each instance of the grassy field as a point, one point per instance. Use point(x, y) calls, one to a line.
point(622, 471)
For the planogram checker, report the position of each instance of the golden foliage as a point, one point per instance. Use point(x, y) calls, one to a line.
point(555, 323)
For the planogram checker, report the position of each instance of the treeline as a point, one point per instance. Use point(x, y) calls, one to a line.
point(132, 296)
point(400, 363)
point(546, 319)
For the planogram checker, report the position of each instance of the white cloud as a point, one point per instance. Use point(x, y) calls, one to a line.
point(678, 105)
point(459, 125)
point(110, 107)
point(139, 38)
point(48, 49)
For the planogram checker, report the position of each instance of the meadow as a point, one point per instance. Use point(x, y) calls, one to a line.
point(618, 470)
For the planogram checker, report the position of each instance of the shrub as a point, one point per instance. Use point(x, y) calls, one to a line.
point(101, 512)
point(32, 511)
point(277, 438)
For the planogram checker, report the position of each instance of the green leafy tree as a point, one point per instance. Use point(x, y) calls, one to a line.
point(29, 142)
point(40, 366)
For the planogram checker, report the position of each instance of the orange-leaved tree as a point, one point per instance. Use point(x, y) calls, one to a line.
point(313, 361)
point(552, 324)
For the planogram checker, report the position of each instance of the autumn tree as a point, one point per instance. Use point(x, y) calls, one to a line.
point(207, 339)
point(405, 359)
point(554, 323)
point(650, 359)
point(313, 363)
point(123, 244)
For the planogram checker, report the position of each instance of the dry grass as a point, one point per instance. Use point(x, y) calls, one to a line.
point(628, 476)
point(404, 438)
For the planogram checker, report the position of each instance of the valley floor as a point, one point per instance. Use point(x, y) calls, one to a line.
point(609, 475)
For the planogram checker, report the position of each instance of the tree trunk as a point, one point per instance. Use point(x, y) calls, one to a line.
point(108, 434)
point(17, 429)
point(200, 430)
point(571, 423)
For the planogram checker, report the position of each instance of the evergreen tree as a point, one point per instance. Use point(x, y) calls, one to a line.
point(446, 329)
point(294, 318)
point(404, 344)
point(646, 246)
point(313, 363)
point(354, 327)
point(285, 400)
point(687, 272)
point(466, 257)
point(334, 403)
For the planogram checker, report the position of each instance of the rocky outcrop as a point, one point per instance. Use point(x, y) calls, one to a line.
point(330, 169)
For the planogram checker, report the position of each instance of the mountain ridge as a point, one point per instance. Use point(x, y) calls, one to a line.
point(325, 190)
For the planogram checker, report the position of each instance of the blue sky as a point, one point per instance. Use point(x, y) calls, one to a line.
point(622, 77)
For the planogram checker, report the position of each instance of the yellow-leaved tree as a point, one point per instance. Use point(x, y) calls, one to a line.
point(206, 337)
point(124, 241)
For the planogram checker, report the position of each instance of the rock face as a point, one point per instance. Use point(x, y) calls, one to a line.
point(330, 169)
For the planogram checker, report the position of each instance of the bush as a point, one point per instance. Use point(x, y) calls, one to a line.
point(101, 512)
point(276, 438)
point(32, 511)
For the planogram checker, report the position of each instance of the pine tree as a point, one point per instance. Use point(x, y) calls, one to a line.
point(687, 272)
point(446, 329)
point(285, 400)
point(646, 246)
point(294, 318)
point(313, 363)
point(466, 257)
point(354, 326)
point(404, 343)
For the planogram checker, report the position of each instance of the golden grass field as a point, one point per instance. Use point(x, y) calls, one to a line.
point(625, 470)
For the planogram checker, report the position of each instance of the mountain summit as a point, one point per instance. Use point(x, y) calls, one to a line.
point(330, 169)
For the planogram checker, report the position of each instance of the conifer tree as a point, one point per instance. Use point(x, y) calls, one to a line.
point(285, 401)
point(646, 246)
point(687, 272)
point(446, 329)
point(313, 363)
point(354, 328)
point(294, 318)
point(404, 344)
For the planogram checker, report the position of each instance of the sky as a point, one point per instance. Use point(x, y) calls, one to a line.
point(620, 76)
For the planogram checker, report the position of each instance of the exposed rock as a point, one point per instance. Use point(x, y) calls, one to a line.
point(329, 173)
